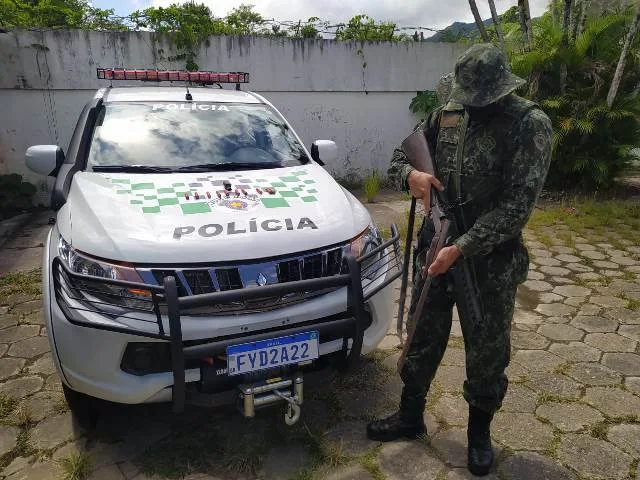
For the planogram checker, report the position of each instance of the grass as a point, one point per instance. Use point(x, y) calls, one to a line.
point(76, 466)
point(177, 455)
point(23, 444)
point(369, 463)
point(580, 213)
point(456, 342)
point(562, 368)
point(28, 283)
point(546, 397)
point(435, 392)
point(442, 475)
point(24, 418)
point(633, 305)
point(567, 238)
point(61, 406)
point(552, 449)
point(330, 454)
point(600, 430)
point(244, 458)
point(545, 239)
point(403, 228)
point(586, 260)
point(605, 281)
point(372, 185)
point(7, 404)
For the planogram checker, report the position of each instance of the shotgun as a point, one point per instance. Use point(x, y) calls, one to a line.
point(418, 153)
point(447, 228)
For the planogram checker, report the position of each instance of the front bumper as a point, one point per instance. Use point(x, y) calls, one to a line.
point(88, 346)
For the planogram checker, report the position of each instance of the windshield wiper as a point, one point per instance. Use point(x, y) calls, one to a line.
point(228, 166)
point(132, 168)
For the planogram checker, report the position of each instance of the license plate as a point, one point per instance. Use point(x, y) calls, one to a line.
point(275, 352)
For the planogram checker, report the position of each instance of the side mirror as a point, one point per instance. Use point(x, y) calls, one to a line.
point(45, 159)
point(323, 151)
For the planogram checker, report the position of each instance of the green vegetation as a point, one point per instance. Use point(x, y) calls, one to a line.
point(372, 185)
point(7, 404)
point(76, 466)
point(27, 283)
point(15, 195)
point(581, 213)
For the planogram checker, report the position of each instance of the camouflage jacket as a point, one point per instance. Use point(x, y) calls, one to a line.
point(503, 168)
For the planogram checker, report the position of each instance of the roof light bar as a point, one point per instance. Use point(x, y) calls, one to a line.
point(204, 78)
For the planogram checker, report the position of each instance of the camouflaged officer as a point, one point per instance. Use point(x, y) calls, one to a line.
point(492, 152)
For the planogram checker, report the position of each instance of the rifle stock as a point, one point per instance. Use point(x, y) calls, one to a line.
point(417, 151)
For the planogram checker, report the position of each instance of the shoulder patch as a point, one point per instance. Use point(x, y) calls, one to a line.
point(449, 119)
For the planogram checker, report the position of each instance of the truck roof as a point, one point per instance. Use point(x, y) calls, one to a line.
point(176, 94)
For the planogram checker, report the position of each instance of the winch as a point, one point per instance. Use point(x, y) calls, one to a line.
point(269, 392)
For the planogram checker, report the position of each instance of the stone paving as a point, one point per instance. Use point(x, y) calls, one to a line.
point(572, 410)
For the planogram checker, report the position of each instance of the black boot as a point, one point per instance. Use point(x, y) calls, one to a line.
point(407, 422)
point(396, 426)
point(480, 453)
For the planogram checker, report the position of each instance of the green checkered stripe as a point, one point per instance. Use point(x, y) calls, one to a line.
point(289, 190)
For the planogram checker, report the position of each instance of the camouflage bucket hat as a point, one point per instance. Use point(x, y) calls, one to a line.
point(483, 77)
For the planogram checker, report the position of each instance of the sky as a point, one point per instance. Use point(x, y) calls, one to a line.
point(425, 13)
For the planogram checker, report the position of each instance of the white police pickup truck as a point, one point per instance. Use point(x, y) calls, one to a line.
point(201, 253)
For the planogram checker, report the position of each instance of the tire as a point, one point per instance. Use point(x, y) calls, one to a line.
point(84, 408)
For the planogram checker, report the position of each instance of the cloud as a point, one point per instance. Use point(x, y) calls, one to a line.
point(425, 13)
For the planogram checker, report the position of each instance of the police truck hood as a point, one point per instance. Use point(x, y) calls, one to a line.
point(209, 217)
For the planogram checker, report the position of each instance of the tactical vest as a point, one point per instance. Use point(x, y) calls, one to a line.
point(450, 144)
point(449, 150)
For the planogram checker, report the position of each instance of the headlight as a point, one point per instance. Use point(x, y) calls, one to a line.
point(363, 244)
point(95, 291)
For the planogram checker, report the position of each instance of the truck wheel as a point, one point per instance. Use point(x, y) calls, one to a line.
point(84, 408)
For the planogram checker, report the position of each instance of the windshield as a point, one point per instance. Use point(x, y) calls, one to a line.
point(191, 134)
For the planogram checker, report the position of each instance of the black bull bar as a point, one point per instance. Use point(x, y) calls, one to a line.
point(164, 306)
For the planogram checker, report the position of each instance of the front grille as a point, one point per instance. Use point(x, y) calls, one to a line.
point(197, 281)
point(335, 263)
point(288, 271)
point(229, 279)
point(159, 277)
point(312, 266)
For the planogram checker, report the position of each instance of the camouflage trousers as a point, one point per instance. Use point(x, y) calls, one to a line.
point(487, 346)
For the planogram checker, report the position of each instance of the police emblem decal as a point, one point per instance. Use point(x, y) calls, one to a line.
point(261, 280)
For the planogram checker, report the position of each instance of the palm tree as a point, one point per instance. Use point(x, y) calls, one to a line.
point(566, 22)
point(591, 140)
point(525, 22)
point(615, 83)
point(565, 43)
point(575, 18)
point(496, 23)
point(583, 16)
point(479, 24)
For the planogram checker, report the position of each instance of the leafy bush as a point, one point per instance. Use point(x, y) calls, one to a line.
point(424, 102)
point(592, 142)
point(372, 185)
point(15, 195)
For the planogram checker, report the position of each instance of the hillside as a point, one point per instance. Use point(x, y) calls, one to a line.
point(456, 31)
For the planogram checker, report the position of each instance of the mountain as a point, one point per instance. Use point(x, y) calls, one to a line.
point(456, 31)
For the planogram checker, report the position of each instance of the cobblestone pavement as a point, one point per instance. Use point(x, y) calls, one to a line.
point(572, 409)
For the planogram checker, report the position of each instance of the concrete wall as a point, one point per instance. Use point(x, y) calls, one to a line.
point(356, 94)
